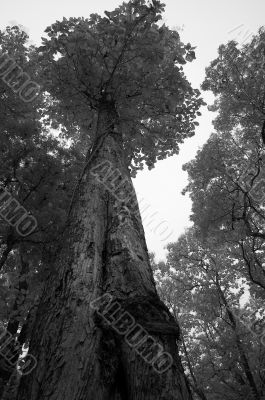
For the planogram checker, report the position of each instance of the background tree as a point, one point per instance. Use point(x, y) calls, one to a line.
point(204, 289)
point(226, 179)
point(38, 170)
point(220, 261)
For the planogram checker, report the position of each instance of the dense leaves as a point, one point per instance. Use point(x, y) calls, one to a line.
point(215, 271)
point(206, 291)
point(38, 170)
point(236, 77)
point(128, 59)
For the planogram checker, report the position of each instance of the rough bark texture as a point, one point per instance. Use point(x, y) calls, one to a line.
point(104, 251)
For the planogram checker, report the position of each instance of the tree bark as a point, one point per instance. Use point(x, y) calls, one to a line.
point(103, 251)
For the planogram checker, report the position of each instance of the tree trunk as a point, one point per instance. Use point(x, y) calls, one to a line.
point(195, 386)
point(103, 251)
point(240, 348)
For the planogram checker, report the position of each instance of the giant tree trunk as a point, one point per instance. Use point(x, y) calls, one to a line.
point(103, 251)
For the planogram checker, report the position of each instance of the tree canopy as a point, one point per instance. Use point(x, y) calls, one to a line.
point(129, 59)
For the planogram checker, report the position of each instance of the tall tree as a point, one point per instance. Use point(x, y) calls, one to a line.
point(119, 81)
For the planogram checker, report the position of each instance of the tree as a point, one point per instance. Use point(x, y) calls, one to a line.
point(203, 287)
point(222, 256)
point(37, 171)
point(222, 181)
point(226, 179)
point(236, 77)
point(117, 82)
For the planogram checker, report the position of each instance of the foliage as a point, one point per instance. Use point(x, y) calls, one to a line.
point(215, 270)
point(236, 77)
point(128, 59)
point(38, 170)
point(204, 289)
point(226, 179)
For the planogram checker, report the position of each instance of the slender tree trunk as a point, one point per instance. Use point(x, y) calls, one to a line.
point(241, 351)
point(104, 251)
point(196, 387)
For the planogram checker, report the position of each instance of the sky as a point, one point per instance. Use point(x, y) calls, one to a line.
point(205, 24)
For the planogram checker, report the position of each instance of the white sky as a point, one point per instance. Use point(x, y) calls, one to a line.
point(205, 24)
